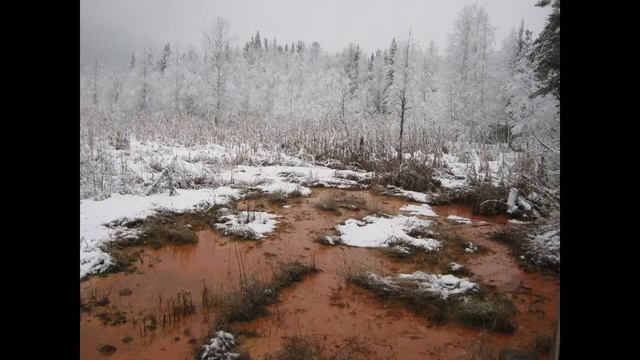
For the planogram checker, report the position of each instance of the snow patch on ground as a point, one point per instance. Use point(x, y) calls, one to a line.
point(459, 219)
point(453, 266)
point(411, 195)
point(196, 172)
point(373, 231)
point(433, 284)
point(424, 210)
point(285, 188)
point(220, 347)
point(471, 247)
point(248, 224)
point(95, 214)
point(133, 170)
point(291, 178)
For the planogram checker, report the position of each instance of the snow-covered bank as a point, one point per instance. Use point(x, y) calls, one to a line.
point(217, 174)
point(94, 215)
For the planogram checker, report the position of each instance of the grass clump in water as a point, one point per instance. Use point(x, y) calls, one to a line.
point(476, 309)
point(250, 300)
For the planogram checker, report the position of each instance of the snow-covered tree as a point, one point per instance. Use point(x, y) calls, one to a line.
point(218, 57)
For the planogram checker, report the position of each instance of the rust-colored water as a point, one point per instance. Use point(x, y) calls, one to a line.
point(321, 307)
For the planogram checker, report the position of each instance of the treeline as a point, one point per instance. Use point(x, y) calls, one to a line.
point(351, 106)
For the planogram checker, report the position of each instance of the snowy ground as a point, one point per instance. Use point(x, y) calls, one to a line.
point(374, 231)
point(146, 163)
point(141, 176)
point(94, 215)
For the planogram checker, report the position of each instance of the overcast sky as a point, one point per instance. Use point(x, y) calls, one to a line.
point(112, 29)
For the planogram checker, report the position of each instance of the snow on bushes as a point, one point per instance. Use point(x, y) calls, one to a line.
point(219, 348)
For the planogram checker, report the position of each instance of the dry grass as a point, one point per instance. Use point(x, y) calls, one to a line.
point(412, 175)
point(474, 196)
point(341, 201)
point(281, 197)
point(175, 309)
point(94, 298)
point(519, 244)
point(298, 348)
point(251, 298)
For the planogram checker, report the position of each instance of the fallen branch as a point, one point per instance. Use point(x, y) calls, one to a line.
point(542, 143)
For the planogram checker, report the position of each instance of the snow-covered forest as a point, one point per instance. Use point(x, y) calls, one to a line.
point(474, 97)
point(420, 163)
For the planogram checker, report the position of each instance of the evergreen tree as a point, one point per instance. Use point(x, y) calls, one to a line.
point(546, 52)
point(389, 65)
point(166, 53)
point(257, 44)
point(132, 63)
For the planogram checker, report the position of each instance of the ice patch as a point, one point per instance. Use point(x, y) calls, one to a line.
point(373, 231)
point(423, 209)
